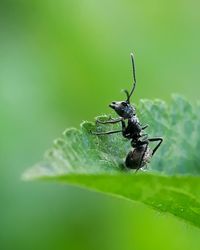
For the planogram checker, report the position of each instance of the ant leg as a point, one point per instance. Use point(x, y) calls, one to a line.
point(124, 129)
point(145, 137)
point(145, 126)
point(123, 125)
point(112, 121)
point(158, 145)
point(106, 133)
point(112, 132)
point(142, 157)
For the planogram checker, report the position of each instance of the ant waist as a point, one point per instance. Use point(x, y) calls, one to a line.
point(138, 141)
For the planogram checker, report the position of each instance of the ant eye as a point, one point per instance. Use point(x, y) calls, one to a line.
point(124, 104)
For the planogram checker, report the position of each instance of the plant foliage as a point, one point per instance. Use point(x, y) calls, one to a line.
point(170, 184)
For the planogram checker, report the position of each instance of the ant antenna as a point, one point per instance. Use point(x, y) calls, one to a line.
point(134, 80)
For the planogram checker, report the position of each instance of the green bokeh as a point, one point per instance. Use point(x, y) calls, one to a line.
point(62, 62)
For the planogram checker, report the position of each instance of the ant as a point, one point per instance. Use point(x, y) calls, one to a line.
point(141, 153)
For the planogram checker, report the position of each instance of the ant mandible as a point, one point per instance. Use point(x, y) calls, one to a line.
point(141, 153)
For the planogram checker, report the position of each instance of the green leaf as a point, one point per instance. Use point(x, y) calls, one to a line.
point(96, 162)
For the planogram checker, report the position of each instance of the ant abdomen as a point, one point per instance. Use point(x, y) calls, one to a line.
point(138, 157)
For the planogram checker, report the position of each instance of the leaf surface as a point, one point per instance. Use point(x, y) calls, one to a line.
point(171, 183)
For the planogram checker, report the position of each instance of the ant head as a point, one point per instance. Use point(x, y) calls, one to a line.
point(124, 108)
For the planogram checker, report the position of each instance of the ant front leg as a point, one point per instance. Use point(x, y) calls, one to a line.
point(106, 133)
point(112, 121)
point(124, 133)
point(115, 131)
point(158, 145)
point(111, 132)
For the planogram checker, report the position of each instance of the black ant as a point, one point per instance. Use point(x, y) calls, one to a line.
point(141, 154)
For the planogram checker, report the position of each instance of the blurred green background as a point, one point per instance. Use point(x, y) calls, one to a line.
point(62, 62)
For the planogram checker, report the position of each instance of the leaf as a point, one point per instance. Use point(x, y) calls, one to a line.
point(96, 162)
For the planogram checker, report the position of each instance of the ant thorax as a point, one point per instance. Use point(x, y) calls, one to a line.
point(134, 124)
point(134, 120)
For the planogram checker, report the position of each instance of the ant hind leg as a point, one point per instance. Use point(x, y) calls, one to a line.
point(158, 145)
point(142, 157)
